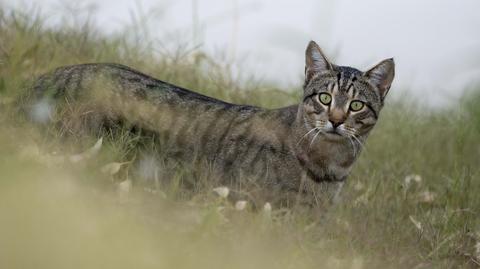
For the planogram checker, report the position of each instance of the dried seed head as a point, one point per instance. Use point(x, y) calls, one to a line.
point(240, 205)
point(222, 191)
point(267, 208)
point(412, 178)
point(426, 197)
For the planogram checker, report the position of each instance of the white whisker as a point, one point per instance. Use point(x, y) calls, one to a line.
point(353, 145)
point(314, 137)
point(358, 140)
point(303, 137)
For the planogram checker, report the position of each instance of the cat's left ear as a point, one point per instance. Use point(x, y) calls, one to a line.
point(381, 76)
point(315, 61)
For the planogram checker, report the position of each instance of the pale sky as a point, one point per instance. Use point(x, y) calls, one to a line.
point(435, 43)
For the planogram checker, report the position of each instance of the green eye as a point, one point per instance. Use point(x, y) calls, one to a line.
point(356, 105)
point(325, 98)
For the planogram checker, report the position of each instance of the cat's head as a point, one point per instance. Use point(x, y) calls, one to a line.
point(342, 101)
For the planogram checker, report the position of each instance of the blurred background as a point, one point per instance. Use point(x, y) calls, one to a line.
point(68, 201)
point(435, 43)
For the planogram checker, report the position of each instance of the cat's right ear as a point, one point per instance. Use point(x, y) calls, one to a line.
point(315, 61)
point(381, 76)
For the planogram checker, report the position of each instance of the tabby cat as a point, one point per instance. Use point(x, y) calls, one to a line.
point(291, 149)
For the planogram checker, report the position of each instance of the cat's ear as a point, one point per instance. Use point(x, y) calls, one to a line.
point(315, 61)
point(381, 76)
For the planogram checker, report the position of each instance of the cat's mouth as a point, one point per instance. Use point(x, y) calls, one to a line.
point(333, 134)
point(332, 131)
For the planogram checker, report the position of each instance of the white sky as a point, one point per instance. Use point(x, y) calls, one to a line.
point(435, 43)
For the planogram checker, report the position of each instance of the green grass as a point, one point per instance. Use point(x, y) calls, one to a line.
point(58, 214)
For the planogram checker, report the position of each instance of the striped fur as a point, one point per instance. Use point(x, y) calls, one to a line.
point(290, 148)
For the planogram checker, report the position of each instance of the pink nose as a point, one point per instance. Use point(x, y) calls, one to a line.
point(336, 117)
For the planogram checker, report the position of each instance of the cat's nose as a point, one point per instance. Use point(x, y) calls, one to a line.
point(336, 123)
point(336, 117)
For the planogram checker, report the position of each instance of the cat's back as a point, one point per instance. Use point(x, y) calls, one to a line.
point(104, 93)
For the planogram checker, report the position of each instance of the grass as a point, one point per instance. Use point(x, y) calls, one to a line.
point(412, 200)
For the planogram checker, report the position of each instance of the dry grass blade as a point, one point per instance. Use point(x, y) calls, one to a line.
point(89, 153)
point(112, 168)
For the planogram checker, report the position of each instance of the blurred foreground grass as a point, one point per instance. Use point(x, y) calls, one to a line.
point(413, 200)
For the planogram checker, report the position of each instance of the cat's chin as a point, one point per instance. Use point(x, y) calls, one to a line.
point(333, 136)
